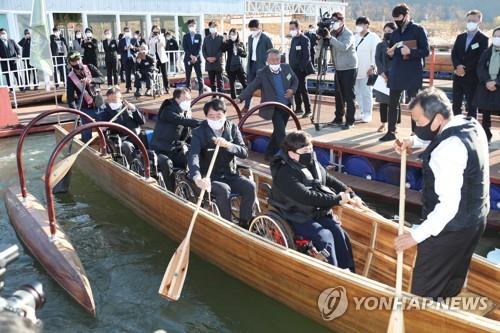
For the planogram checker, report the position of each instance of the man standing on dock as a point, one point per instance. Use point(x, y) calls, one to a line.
point(455, 198)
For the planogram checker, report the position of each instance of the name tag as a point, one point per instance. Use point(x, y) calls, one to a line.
point(474, 46)
point(289, 76)
point(298, 47)
point(146, 63)
point(196, 41)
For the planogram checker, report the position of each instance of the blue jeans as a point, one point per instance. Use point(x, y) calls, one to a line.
point(87, 134)
point(327, 234)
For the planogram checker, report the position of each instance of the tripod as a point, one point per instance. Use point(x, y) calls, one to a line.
point(320, 77)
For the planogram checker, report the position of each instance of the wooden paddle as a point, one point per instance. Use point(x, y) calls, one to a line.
point(175, 275)
point(63, 166)
point(396, 321)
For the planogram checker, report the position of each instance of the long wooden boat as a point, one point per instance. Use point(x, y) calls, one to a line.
point(293, 278)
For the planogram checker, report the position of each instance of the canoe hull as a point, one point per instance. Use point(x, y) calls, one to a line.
point(290, 277)
point(58, 257)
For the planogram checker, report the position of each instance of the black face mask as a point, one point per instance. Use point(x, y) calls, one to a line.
point(387, 36)
point(77, 67)
point(425, 132)
point(400, 23)
point(305, 158)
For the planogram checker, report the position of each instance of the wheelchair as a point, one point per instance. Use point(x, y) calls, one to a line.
point(137, 166)
point(114, 146)
point(157, 87)
point(272, 226)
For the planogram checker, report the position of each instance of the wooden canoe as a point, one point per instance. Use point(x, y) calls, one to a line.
point(288, 276)
point(57, 255)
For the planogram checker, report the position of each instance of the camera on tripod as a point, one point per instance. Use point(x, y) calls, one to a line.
point(24, 301)
point(325, 25)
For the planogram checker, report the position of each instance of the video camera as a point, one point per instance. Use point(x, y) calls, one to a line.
point(325, 24)
point(24, 301)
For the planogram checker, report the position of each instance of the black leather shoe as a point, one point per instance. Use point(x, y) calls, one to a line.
point(306, 114)
point(347, 126)
point(389, 136)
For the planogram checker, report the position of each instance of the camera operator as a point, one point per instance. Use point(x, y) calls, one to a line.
point(345, 61)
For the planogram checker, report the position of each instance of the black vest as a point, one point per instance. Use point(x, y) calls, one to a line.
point(474, 201)
point(313, 178)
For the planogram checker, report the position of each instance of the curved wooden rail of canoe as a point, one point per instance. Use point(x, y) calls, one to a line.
point(27, 129)
point(217, 94)
point(268, 104)
point(119, 128)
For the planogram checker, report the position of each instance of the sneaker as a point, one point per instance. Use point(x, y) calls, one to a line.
point(307, 114)
point(347, 126)
point(336, 122)
point(358, 117)
point(389, 136)
point(148, 93)
point(299, 112)
point(137, 93)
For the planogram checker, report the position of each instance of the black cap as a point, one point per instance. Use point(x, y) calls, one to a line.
point(26, 31)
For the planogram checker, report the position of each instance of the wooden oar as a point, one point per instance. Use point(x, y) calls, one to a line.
point(396, 321)
point(175, 275)
point(63, 166)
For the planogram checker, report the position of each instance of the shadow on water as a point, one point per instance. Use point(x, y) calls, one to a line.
point(125, 260)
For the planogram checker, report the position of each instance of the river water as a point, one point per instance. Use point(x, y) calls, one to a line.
point(125, 260)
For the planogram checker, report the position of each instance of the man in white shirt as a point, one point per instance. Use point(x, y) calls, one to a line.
point(366, 46)
point(455, 198)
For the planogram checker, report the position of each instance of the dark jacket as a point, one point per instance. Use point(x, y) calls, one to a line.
point(130, 119)
point(191, 48)
point(470, 57)
point(202, 149)
point(264, 81)
point(172, 128)
point(11, 51)
point(483, 98)
point(263, 45)
point(212, 47)
point(171, 45)
point(110, 50)
point(299, 56)
point(25, 43)
point(71, 89)
point(233, 61)
point(146, 65)
point(313, 39)
point(122, 48)
point(90, 51)
point(383, 63)
point(303, 193)
point(53, 45)
point(408, 74)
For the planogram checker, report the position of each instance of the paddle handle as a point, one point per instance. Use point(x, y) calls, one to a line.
point(402, 201)
point(202, 194)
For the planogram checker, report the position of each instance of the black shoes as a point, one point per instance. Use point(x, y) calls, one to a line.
point(337, 122)
point(347, 126)
point(306, 114)
point(137, 93)
point(128, 91)
point(389, 136)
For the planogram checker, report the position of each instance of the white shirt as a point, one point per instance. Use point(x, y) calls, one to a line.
point(366, 52)
point(255, 41)
point(448, 162)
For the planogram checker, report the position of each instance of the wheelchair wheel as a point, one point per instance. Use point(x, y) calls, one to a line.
point(184, 190)
point(137, 167)
point(211, 206)
point(160, 180)
point(274, 228)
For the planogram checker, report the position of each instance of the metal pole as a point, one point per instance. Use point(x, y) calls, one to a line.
point(282, 25)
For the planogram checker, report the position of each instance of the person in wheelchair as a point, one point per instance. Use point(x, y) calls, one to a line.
point(172, 133)
point(225, 179)
point(144, 68)
point(304, 193)
point(132, 119)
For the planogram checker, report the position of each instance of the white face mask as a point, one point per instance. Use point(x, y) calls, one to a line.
point(216, 125)
point(311, 31)
point(472, 26)
point(255, 33)
point(3, 36)
point(233, 37)
point(168, 37)
point(336, 25)
point(192, 28)
point(78, 35)
point(496, 41)
point(127, 34)
point(274, 68)
point(212, 30)
point(359, 29)
point(185, 105)
point(88, 34)
point(293, 33)
point(107, 36)
point(57, 33)
point(115, 106)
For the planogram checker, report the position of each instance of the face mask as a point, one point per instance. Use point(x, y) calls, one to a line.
point(305, 158)
point(496, 41)
point(255, 33)
point(78, 35)
point(233, 37)
point(185, 105)
point(77, 67)
point(136, 36)
point(88, 34)
point(274, 68)
point(192, 28)
point(127, 35)
point(3, 36)
point(388, 35)
point(107, 36)
point(156, 33)
point(293, 33)
point(212, 30)
point(168, 37)
point(311, 31)
point(57, 33)
point(27, 36)
point(216, 124)
point(336, 25)
point(425, 132)
point(472, 26)
point(359, 29)
point(115, 106)
point(400, 23)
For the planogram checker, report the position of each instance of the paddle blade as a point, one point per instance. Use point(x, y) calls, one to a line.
point(175, 275)
point(61, 169)
point(396, 321)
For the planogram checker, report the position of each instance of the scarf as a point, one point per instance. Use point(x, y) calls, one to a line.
point(494, 63)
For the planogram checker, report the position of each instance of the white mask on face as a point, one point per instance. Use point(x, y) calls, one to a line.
point(216, 125)
point(88, 34)
point(359, 29)
point(78, 35)
point(115, 106)
point(107, 36)
point(311, 31)
point(255, 33)
point(233, 37)
point(127, 34)
point(212, 30)
point(192, 28)
point(293, 33)
point(496, 41)
point(168, 37)
point(472, 26)
point(336, 25)
point(274, 68)
point(185, 105)
point(3, 36)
